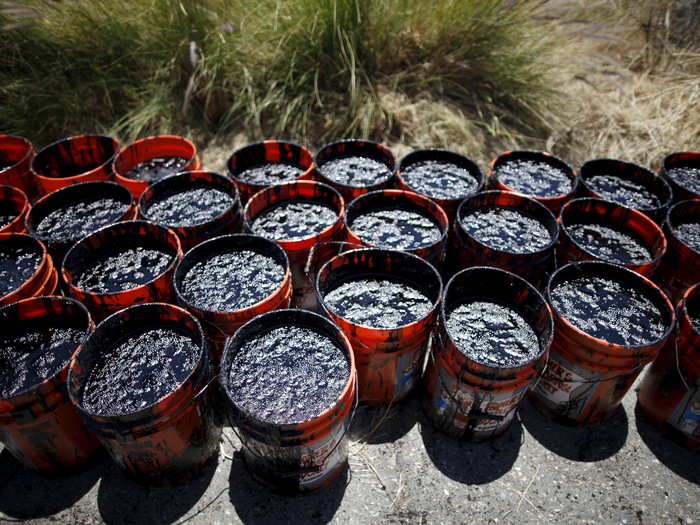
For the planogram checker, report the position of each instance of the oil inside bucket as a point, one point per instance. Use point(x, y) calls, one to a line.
point(609, 243)
point(156, 168)
point(609, 310)
point(268, 173)
point(79, 218)
point(4, 164)
point(534, 178)
point(439, 179)
point(231, 280)
point(622, 191)
point(139, 369)
point(189, 207)
point(288, 374)
point(8, 213)
point(17, 264)
point(686, 176)
point(355, 171)
point(397, 228)
point(689, 233)
point(34, 350)
point(507, 229)
point(296, 219)
point(694, 314)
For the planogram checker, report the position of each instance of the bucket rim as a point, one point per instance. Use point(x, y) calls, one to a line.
point(27, 155)
point(669, 223)
point(43, 259)
point(666, 165)
point(381, 148)
point(152, 138)
point(262, 143)
point(20, 218)
point(691, 293)
point(38, 172)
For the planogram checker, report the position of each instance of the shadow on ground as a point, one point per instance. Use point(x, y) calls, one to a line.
point(377, 424)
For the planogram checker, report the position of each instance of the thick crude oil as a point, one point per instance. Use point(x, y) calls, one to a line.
point(687, 177)
point(534, 178)
point(689, 233)
point(397, 228)
point(294, 220)
point(359, 172)
point(269, 173)
point(156, 168)
point(507, 229)
point(622, 191)
point(439, 179)
point(8, 213)
point(17, 264)
point(189, 207)
point(77, 219)
point(609, 244)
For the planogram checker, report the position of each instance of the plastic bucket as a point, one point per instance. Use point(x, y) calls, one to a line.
point(14, 205)
point(552, 202)
point(669, 394)
point(535, 266)
point(682, 191)
point(587, 377)
point(466, 398)
point(88, 250)
point(633, 173)
point(39, 425)
point(389, 361)
point(149, 148)
point(624, 220)
point(170, 441)
point(74, 159)
point(680, 267)
point(220, 325)
point(268, 152)
point(355, 148)
point(433, 252)
point(293, 457)
point(38, 282)
point(16, 154)
point(58, 244)
point(298, 249)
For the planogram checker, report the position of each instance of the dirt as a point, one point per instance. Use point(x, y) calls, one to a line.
point(507, 229)
point(609, 244)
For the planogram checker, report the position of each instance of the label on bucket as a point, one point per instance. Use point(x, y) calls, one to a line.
point(686, 416)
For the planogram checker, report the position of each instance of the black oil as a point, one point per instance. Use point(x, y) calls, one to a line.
point(34, 350)
point(121, 267)
point(17, 264)
point(492, 334)
point(694, 318)
point(189, 207)
point(269, 173)
point(609, 310)
point(689, 233)
point(292, 220)
point(622, 191)
point(397, 228)
point(156, 168)
point(231, 280)
point(287, 375)
point(77, 219)
point(687, 177)
point(440, 180)
point(609, 243)
point(8, 213)
point(4, 164)
point(507, 229)
point(378, 303)
point(534, 178)
point(139, 369)
point(358, 172)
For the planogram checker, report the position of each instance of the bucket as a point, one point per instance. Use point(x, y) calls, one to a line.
point(25, 268)
point(65, 216)
point(270, 287)
point(597, 230)
point(260, 165)
point(121, 265)
point(291, 448)
point(680, 267)
point(329, 210)
point(399, 220)
point(535, 174)
point(388, 356)
point(14, 207)
point(165, 437)
point(180, 153)
point(669, 394)
point(74, 159)
point(627, 320)
point(16, 154)
point(196, 205)
point(38, 423)
point(355, 166)
point(627, 184)
point(492, 229)
point(471, 389)
point(682, 171)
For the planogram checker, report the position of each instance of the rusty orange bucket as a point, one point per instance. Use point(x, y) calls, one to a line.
point(14, 207)
point(16, 154)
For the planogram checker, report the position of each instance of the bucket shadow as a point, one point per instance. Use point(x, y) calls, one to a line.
point(379, 424)
point(254, 503)
point(121, 500)
point(25, 494)
point(585, 443)
point(678, 459)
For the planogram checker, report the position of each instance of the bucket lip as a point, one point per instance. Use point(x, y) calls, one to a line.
point(666, 165)
point(152, 138)
point(644, 281)
point(44, 256)
point(26, 206)
point(549, 309)
point(420, 260)
point(199, 340)
point(27, 155)
point(638, 214)
point(345, 344)
point(221, 239)
point(541, 252)
point(376, 145)
point(128, 224)
point(234, 174)
point(669, 222)
point(691, 292)
point(38, 172)
point(442, 220)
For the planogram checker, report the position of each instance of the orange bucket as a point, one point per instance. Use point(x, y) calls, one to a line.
point(14, 207)
point(34, 278)
point(39, 425)
point(683, 190)
point(16, 154)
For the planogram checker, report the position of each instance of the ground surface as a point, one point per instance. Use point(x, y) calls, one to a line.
point(622, 471)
